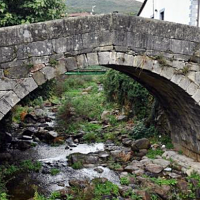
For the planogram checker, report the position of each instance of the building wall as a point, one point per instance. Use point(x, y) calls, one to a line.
point(179, 11)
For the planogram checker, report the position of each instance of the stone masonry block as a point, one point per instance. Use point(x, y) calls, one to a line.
point(61, 67)
point(39, 77)
point(92, 59)
point(1, 115)
point(2, 93)
point(59, 45)
point(1, 73)
point(4, 106)
point(192, 88)
point(90, 40)
point(7, 54)
point(156, 67)
point(24, 87)
point(176, 78)
point(113, 58)
point(184, 83)
point(104, 58)
point(167, 72)
point(191, 76)
point(7, 84)
point(82, 61)
point(11, 98)
point(71, 64)
point(128, 60)
point(178, 64)
point(182, 47)
point(120, 59)
point(49, 72)
point(196, 96)
point(197, 78)
point(144, 62)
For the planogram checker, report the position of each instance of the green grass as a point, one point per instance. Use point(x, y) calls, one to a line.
point(125, 180)
point(161, 181)
point(153, 153)
point(54, 171)
point(77, 165)
point(31, 166)
point(53, 196)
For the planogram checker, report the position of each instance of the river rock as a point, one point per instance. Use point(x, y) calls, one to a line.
point(133, 166)
point(146, 161)
point(39, 113)
point(116, 153)
point(30, 131)
point(99, 170)
point(121, 117)
point(104, 115)
point(161, 162)
point(154, 168)
point(104, 155)
point(143, 194)
point(78, 183)
point(83, 158)
point(8, 137)
point(53, 134)
point(140, 144)
point(183, 186)
point(29, 118)
point(174, 175)
point(24, 145)
point(5, 156)
point(127, 142)
point(88, 89)
point(139, 172)
point(25, 137)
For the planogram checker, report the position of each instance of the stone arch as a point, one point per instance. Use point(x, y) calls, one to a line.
point(165, 62)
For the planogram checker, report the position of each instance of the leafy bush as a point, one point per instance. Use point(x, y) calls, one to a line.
point(141, 131)
point(15, 12)
point(3, 196)
point(128, 93)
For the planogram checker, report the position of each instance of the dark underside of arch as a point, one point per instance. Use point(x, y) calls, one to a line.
point(182, 111)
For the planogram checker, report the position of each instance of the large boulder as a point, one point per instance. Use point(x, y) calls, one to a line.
point(140, 144)
point(156, 169)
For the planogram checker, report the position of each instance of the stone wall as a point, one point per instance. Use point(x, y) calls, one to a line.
point(162, 56)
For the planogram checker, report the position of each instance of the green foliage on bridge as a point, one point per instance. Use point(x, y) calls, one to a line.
point(13, 12)
point(128, 93)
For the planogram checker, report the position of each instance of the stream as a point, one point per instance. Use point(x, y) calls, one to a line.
point(22, 186)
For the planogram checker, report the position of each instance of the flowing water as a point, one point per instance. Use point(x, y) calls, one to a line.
point(22, 186)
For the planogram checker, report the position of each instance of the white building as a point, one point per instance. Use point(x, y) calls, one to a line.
point(179, 11)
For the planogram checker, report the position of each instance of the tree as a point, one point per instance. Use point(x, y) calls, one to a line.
point(13, 12)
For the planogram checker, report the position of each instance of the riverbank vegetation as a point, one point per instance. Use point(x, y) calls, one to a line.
point(91, 109)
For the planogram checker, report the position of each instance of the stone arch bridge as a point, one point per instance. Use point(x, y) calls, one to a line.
point(162, 56)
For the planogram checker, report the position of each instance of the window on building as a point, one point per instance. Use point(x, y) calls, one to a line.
point(162, 15)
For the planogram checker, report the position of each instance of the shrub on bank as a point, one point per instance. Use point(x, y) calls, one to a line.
point(127, 93)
